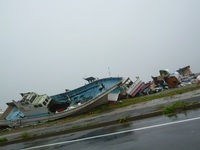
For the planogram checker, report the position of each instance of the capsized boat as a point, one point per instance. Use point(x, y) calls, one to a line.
point(34, 108)
point(128, 89)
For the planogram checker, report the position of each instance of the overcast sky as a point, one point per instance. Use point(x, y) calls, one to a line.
point(47, 46)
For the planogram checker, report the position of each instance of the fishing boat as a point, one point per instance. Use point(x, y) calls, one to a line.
point(35, 108)
point(128, 89)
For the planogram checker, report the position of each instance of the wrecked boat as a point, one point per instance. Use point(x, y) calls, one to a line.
point(128, 89)
point(36, 108)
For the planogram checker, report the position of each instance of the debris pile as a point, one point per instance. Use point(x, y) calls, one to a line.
point(198, 80)
point(167, 79)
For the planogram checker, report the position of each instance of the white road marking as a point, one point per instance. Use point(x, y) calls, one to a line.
point(120, 132)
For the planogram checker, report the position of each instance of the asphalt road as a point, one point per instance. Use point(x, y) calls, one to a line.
point(163, 133)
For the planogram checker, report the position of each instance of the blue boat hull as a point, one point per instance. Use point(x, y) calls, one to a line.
point(87, 92)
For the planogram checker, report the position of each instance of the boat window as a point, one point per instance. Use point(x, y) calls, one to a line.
point(32, 98)
point(40, 105)
point(46, 100)
point(44, 103)
point(24, 98)
point(22, 103)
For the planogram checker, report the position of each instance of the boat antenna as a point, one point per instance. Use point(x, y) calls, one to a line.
point(109, 71)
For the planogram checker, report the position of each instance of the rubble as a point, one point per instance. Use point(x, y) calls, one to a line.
point(179, 78)
point(198, 80)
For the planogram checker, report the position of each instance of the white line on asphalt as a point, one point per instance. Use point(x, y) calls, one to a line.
point(120, 132)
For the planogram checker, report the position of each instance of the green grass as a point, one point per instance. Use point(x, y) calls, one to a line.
point(181, 104)
point(3, 140)
point(124, 119)
point(26, 135)
point(169, 110)
point(172, 109)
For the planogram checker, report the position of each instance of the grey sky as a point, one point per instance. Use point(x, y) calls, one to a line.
point(49, 45)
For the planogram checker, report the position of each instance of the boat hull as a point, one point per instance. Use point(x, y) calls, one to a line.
point(110, 84)
point(99, 100)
